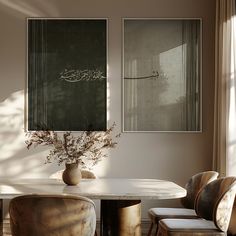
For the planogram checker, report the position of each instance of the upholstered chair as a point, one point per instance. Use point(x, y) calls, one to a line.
point(86, 174)
point(52, 215)
point(193, 186)
point(214, 205)
point(232, 224)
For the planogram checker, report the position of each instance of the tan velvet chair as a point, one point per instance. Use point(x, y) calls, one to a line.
point(193, 186)
point(232, 224)
point(52, 215)
point(86, 174)
point(213, 204)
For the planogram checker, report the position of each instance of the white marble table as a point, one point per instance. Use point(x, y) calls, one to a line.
point(120, 198)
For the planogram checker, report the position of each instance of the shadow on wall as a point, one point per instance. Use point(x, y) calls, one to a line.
point(15, 160)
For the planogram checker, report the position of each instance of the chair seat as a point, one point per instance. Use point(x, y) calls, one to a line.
point(159, 213)
point(188, 227)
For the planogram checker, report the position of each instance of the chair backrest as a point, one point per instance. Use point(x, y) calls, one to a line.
point(215, 201)
point(232, 224)
point(86, 174)
point(195, 184)
point(52, 215)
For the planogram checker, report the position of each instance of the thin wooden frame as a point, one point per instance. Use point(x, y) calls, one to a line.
point(134, 73)
point(84, 65)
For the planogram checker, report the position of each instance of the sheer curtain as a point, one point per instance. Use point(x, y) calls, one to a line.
point(224, 149)
point(191, 38)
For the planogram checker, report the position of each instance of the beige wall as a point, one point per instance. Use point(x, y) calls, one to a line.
point(173, 156)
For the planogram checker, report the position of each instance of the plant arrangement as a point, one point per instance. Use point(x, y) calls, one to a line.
point(86, 148)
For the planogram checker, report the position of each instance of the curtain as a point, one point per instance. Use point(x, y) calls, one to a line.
point(224, 146)
point(191, 38)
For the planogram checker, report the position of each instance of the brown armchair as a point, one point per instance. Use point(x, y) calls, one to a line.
point(52, 215)
point(213, 204)
point(193, 186)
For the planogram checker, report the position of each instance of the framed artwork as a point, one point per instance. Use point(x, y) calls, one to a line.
point(162, 75)
point(67, 74)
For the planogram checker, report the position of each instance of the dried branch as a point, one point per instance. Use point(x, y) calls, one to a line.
point(87, 148)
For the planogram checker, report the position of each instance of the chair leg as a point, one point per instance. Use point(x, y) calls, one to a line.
point(150, 230)
point(156, 230)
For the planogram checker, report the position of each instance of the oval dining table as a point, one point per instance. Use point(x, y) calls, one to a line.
point(120, 198)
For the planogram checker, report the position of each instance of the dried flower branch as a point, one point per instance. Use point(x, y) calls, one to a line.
point(87, 148)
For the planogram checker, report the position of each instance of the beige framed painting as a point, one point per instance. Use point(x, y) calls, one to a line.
point(162, 75)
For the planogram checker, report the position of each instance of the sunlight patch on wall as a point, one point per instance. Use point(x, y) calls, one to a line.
point(15, 159)
point(11, 125)
point(101, 168)
point(30, 166)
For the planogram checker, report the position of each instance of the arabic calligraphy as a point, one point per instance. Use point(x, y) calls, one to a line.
point(154, 75)
point(81, 75)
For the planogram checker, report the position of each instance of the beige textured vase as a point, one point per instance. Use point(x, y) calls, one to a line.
point(71, 175)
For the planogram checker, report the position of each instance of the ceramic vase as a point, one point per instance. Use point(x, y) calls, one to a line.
point(71, 175)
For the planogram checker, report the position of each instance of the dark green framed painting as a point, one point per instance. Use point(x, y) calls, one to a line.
point(67, 74)
point(162, 75)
